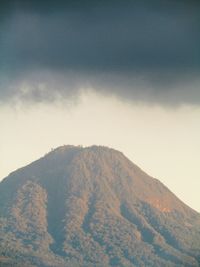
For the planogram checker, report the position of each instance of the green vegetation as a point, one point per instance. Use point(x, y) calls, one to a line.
point(92, 207)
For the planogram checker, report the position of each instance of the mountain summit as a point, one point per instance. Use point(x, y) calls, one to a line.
point(92, 207)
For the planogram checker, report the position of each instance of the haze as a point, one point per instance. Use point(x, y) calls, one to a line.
point(165, 143)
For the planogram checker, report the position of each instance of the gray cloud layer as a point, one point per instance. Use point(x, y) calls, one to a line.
point(144, 50)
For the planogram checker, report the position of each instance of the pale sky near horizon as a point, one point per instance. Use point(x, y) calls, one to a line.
point(163, 141)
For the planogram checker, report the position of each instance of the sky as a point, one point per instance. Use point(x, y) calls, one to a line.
point(124, 74)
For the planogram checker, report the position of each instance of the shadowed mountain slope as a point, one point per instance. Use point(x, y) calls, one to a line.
point(93, 207)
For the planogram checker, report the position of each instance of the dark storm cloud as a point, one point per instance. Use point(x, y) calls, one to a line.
point(143, 50)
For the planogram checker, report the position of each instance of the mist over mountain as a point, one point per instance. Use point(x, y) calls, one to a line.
point(93, 207)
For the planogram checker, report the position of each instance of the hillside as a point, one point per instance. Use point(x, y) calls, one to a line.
point(93, 207)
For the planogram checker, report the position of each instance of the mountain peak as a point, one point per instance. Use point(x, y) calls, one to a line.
point(91, 206)
point(79, 148)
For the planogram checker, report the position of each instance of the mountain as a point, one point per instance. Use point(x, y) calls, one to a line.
point(93, 207)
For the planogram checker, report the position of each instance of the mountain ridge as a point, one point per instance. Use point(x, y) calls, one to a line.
point(91, 206)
